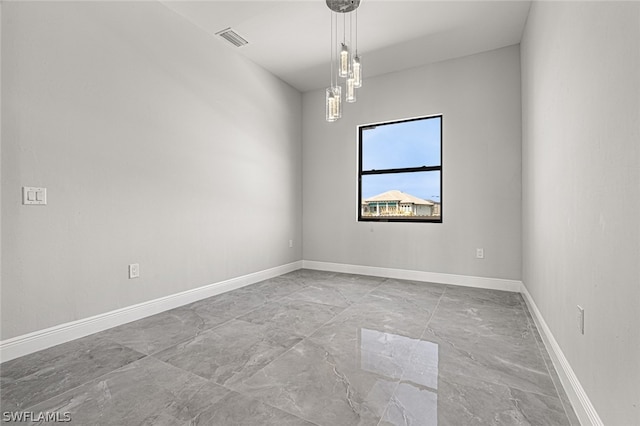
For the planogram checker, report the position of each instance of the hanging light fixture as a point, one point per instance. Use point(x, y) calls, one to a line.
point(350, 96)
point(357, 69)
point(348, 66)
point(334, 91)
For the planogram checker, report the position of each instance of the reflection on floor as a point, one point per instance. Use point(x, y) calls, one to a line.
point(307, 347)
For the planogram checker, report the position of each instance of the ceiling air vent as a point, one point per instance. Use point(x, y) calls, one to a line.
point(232, 37)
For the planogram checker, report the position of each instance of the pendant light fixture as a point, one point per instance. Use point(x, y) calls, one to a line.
point(347, 65)
point(357, 70)
point(334, 91)
point(350, 96)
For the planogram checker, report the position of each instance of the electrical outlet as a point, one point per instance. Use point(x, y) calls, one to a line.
point(580, 318)
point(290, 243)
point(134, 270)
point(479, 253)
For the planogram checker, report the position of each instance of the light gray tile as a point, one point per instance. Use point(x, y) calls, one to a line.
point(309, 275)
point(229, 353)
point(295, 317)
point(370, 358)
point(368, 280)
point(412, 405)
point(536, 409)
point(34, 378)
point(463, 400)
point(326, 388)
point(482, 297)
point(466, 401)
point(483, 325)
point(415, 290)
point(405, 302)
point(228, 305)
point(501, 363)
point(160, 331)
point(387, 313)
point(147, 392)
point(276, 288)
point(237, 409)
point(564, 398)
point(332, 293)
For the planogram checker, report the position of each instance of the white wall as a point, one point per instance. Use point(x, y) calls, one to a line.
point(479, 97)
point(158, 145)
point(581, 191)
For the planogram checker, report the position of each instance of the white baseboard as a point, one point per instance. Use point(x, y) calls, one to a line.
point(585, 411)
point(42, 339)
point(405, 274)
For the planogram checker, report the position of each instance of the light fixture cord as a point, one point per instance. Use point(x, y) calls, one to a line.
point(344, 28)
point(356, 45)
point(331, 55)
point(350, 34)
point(335, 46)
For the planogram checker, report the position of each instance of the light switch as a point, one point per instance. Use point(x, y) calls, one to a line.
point(31, 195)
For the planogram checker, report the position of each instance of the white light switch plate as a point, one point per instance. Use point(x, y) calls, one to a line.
point(32, 195)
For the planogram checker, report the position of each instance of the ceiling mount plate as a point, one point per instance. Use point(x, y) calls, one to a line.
point(343, 6)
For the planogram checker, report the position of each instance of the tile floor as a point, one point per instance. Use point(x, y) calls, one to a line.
point(305, 348)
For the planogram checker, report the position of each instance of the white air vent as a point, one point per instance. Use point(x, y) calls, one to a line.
point(232, 37)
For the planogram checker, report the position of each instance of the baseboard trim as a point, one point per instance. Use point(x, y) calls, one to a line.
point(406, 274)
point(585, 411)
point(42, 339)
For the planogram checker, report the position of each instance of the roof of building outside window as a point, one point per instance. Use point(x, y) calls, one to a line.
point(399, 196)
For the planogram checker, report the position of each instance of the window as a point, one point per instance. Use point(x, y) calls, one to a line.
point(400, 171)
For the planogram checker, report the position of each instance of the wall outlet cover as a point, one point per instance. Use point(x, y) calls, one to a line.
point(134, 270)
point(580, 318)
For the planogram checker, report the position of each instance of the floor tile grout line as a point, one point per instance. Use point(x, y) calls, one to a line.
point(265, 402)
point(172, 366)
point(307, 339)
point(153, 354)
point(503, 384)
point(534, 329)
point(206, 330)
point(318, 328)
point(508, 385)
point(304, 339)
point(203, 331)
point(411, 354)
point(88, 381)
point(485, 380)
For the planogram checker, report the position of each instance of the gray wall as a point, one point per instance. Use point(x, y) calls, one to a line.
point(480, 98)
point(581, 191)
point(157, 144)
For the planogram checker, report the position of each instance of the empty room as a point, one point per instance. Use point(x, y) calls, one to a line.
point(320, 212)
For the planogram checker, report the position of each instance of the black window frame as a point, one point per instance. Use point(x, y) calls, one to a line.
point(361, 173)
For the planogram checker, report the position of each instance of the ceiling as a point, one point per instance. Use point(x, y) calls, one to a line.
point(291, 38)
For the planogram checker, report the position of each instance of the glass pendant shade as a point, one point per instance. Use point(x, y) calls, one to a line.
point(330, 105)
point(337, 94)
point(333, 103)
point(351, 89)
point(343, 68)
point(357, 73)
